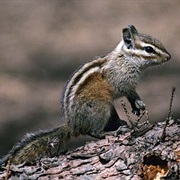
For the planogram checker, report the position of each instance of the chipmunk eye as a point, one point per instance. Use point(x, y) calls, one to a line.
point(149, 49)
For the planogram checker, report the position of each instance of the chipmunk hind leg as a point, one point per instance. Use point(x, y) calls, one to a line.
point(91, 117)
point(104, 119)
point(114, 121)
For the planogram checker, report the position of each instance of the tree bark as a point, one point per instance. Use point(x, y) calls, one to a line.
point(142, 153)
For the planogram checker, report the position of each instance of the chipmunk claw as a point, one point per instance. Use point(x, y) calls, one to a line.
point(139, 106)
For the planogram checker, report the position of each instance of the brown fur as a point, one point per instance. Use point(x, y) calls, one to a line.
point(95, 87)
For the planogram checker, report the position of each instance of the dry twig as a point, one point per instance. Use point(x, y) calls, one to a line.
point(169, 114)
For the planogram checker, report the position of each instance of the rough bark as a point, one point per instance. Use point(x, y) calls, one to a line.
point(141, 153)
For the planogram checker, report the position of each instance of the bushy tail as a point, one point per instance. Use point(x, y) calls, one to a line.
point(42, 144)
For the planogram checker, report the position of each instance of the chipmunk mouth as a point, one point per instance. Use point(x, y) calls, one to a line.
point(168, 57)
point(157, 62)
point(163, 62)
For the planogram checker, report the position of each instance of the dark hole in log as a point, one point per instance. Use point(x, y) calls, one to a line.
point(154, 160)
point(153, 167)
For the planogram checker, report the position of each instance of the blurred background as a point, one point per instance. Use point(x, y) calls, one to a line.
point(43, 41)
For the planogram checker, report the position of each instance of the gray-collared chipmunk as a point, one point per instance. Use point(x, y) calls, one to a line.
point(87, 102)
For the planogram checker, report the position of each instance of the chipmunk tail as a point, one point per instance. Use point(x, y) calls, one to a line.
point(42, 144)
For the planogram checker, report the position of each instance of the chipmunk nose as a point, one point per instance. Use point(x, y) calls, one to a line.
point(168, 57)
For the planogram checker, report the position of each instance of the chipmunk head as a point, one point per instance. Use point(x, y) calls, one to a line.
point(142, 47)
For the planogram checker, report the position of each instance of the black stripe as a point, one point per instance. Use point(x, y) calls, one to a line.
point(79, 76)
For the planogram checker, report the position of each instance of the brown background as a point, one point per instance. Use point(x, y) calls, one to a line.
point(42, 42)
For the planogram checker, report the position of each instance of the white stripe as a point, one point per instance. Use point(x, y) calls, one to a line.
point(119, 46)
point(81, 81)
point(71, 82)
point(158, 50)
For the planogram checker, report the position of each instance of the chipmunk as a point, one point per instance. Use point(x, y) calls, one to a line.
point(87, 102)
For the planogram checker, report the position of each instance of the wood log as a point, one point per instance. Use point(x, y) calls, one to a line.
point(141, 153)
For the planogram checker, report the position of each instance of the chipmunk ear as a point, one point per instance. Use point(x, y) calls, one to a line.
point(129, 34)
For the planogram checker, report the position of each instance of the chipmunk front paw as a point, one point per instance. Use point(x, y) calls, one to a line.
point(139, 105)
